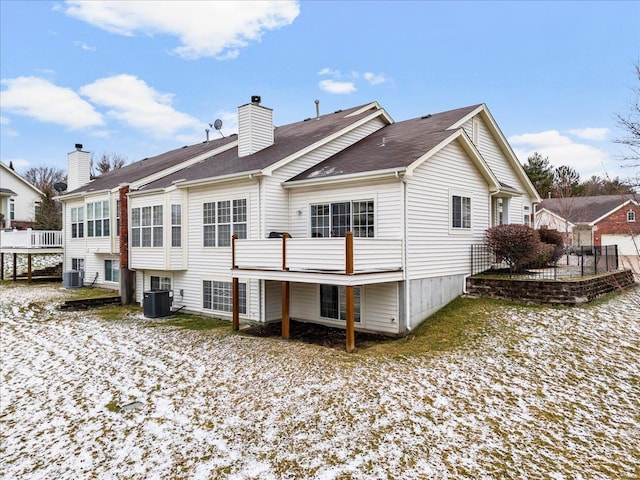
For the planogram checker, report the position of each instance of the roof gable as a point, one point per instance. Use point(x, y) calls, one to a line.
point(589, 210)
point(21, 179)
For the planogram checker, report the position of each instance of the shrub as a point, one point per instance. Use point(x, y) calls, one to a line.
point(545, 255)
point(552, 237)
point(517, 245)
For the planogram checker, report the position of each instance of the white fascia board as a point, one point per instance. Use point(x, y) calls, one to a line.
point(484, 112)
point(472, 152)
point(224, 178)
point(280, 163)
point(352, 177)
point(371, 105)
point(612, 211)
point(142, 193)
point(181, 165)
point(553, 214)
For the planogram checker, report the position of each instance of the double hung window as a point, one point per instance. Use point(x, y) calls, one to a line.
point(98, 219)
point(460, 212)
point(146, 226)
point(217, 296)
point(221, 220)
point(77, 222)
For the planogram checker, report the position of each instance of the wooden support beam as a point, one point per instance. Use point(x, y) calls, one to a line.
point(285, 235)
point(15, 267)
point(235, 287)
point(29, 267)
point(351, 333)
point(286, 295)
point(2, 266)
point(348, 245)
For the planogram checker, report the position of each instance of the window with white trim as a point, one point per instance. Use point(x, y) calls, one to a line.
point(338, 218)
point(333, 303)
point(460, 212)
point(117, 218)
point(217, 296)
point(160, 283)
point(146, 226)
point(631, 216)
point(176, 225)
point(12, 209)
point(98, 219)
point(77, 264)
point(111, 271)
point(77, 222)
point(221, 220)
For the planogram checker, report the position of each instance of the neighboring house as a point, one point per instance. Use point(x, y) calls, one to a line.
point(597, 220)
point(415, 195)
point(19, 200)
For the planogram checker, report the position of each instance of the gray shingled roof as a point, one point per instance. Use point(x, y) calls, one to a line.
point(394, 146)
point(583, 209)
point(149, 166)
point(288, 139)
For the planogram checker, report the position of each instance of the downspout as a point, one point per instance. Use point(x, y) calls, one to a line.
point(403, 216)
point(261, 310)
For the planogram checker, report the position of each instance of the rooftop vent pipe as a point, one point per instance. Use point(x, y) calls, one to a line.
point(317, 109)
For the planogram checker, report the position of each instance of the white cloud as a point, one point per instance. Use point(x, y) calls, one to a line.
point(597, 134)
point(84, 46)
point(328, 71)
point(561, 150)
point(331, 86)
point(205, 29)
point(131, 101)
point(46, 102)
point(375, 79)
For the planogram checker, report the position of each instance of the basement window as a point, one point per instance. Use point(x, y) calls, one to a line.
point(111, 271)
point(217, 296)
point(333, 304)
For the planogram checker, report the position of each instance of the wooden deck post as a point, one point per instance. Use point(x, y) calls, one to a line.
point(286, 295)
point(286, 291)
point(349, 297)
point(235, 288)
point(2, 266)
point(15, 267)
point(29, 267)
point(351, 334)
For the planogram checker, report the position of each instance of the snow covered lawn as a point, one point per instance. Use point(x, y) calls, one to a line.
point(546, 393)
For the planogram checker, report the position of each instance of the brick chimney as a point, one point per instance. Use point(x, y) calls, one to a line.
point(255, 127)
point(78, 168)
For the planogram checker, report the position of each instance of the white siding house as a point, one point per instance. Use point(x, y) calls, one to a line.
point(347, 217)
point(18, 199)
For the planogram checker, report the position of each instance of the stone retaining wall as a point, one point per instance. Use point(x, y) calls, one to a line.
point(555, 292)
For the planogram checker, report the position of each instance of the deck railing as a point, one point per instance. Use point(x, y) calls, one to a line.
point(319, 254)
point(31, 239)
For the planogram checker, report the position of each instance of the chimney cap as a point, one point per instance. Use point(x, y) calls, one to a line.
point(256, 99)
point(78, 146)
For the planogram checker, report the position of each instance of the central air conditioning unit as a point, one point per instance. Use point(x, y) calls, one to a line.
point(72, 279)
point(157, 303)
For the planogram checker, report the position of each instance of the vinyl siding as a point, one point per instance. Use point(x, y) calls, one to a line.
point(500, 166)
point(379, 307)
point(433, 248)
point(384, 193)
point(276, 199)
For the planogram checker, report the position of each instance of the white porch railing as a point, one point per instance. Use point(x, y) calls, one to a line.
point(31, 239)
point(319, 254)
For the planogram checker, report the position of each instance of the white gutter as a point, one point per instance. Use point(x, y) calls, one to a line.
point(224, 178)
point(390, 173)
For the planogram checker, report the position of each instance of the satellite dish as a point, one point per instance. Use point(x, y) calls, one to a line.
point(60, 187)
point(218, 125)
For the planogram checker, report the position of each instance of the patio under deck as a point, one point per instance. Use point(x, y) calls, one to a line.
point(341, 261)
point(28, 242)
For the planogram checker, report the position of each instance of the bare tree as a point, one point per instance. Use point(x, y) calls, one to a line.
point(108, 162)
point(44, 177)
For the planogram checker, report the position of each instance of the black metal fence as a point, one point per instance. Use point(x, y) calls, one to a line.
point(576, 262)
